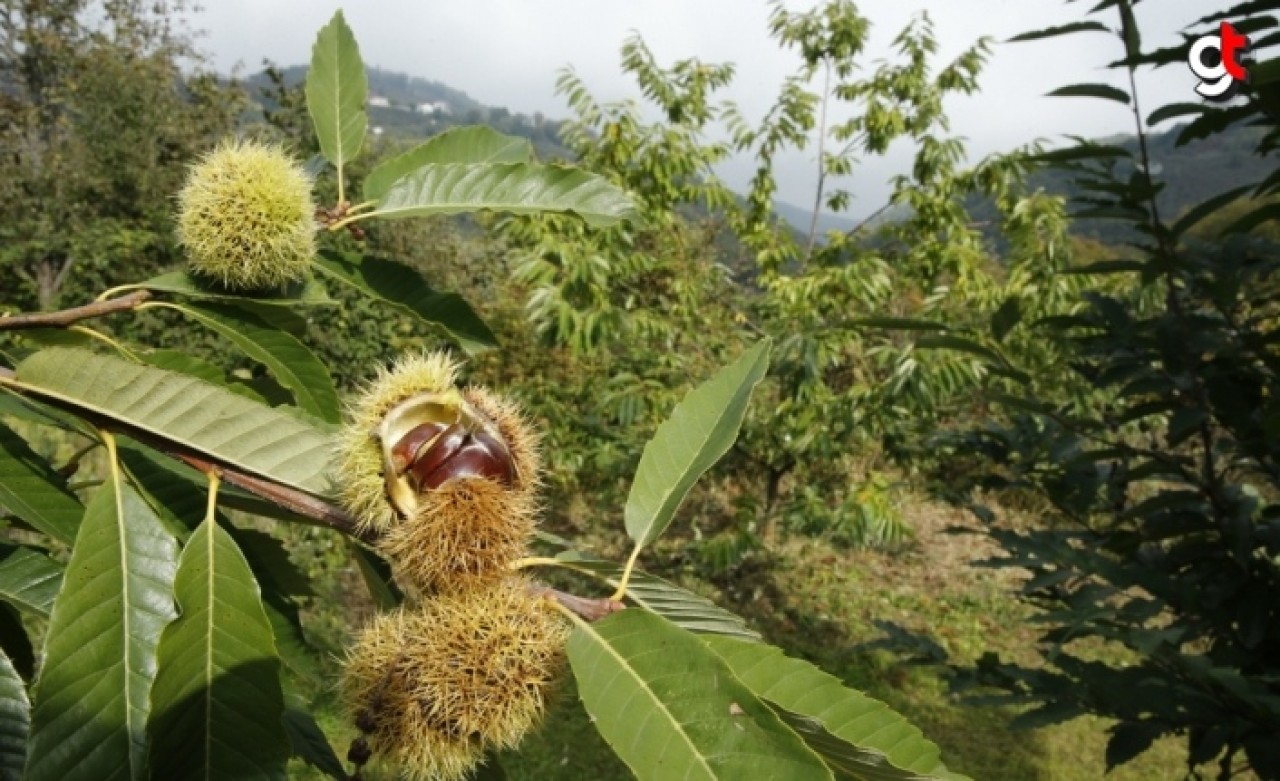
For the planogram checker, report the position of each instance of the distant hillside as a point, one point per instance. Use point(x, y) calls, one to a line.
point(407, 108)
point(800, 217)
point(1191, 173)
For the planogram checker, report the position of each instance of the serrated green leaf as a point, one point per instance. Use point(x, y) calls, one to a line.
point(291, 363)
point(1066, 29)
point(15, 722)
point(30, 580)
point(33, 491)
point(310, 745)
point(307, 292)
point(478, 144)
point(336, 91)
point(856, 734)
point(406, 290)
point(671, 709)
point(269, 442)
point(516, 188)
point(217, 703)
point(701, 429)
point(92, 697)
point(1105, 91)
point(681, 607)
point(185, 363)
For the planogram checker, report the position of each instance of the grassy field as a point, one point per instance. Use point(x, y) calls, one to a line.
point(820, 602)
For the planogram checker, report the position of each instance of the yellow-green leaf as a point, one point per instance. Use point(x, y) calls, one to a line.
point(671, 709)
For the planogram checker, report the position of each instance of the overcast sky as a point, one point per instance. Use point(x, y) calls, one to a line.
point(507, 52)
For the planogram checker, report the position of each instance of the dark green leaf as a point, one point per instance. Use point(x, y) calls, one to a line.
point(217, 704)
point(93, 694)
point(1084, 150)
point(15, 642)
point(701, 429)
point(291, 363)
point(960, 344)
point(310, 745)
point(1205, 208)
point(377, 577)
point(1006, 317)
point(1066, 29)
point(1128, 740)
point(30, 580)
point(477, 144)
point(33, 491)
point(307, 292)
point(516, 188)
point(670, 708)
point(1105, 91)
point(1175, 110)
point(1129, 28)
point(336, 92)
point(406, 290)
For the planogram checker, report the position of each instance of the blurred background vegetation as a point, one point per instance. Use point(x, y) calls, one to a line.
point(825, 521)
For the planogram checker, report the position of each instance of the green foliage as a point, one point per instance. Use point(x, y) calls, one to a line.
point(703, 722)
point(92, 698)
point(336, 92)
point(160, 664)
point(699, 432)
point(217, 700)
point(1154, 567)
point(837, 388)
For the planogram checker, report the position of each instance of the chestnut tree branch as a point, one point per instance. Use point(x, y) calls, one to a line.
point(300, 502)
point(66, 317)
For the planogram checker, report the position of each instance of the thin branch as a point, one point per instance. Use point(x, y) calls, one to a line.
point(587, 608)
point(291, 499)
point(822, 163)
point(854, 230)
point(66, 317)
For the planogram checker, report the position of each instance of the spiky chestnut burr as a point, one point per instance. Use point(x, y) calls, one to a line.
point(447, 478)
point(245, 217)
point(433, 687)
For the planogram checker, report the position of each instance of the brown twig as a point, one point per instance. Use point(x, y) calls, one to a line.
point(590, 609)
point(66, 317)
point(291, 499)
